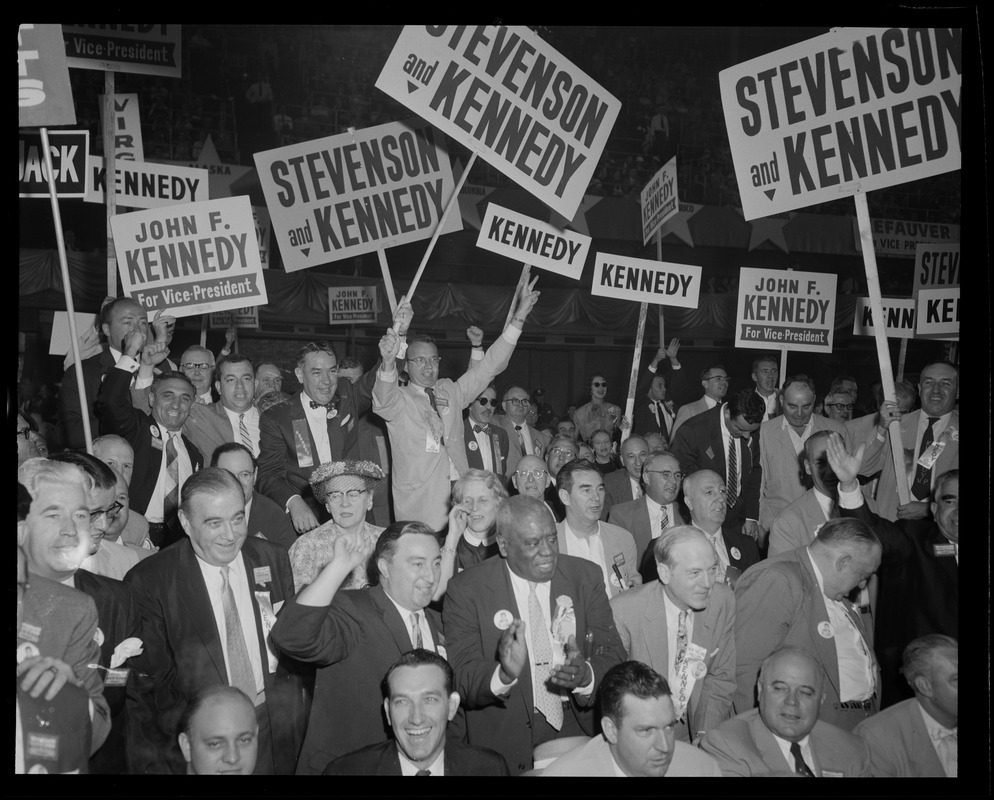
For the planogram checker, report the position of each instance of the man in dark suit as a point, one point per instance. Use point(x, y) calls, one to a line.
point(486, 444)
point(265, 518)
point(117, 319)
point(658, 388)
point(317, 426)
point(706, 442)
point(529, 636)
point(561, 450)
point(419, 703)
point(164, 457)
point(354, 636)
point(714, 381)
point(766, 376)
point(646, 518)
point(207, 605)
point(625, 484)
point(787, 734)
point(798, 599)
point(919, 568)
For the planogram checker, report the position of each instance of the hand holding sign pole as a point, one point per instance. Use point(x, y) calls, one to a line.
point(880, 336)
point(633, 380)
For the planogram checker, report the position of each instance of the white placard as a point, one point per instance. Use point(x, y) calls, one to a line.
point(146, 184)
point(61, 341)
point(856, 109)
point(349, 305)
point(646, 281)
point(938, 311)
point(144, 49)
point(510, 97)
point(532, 241)
point(660, 200)
point(190, 259)
point(785, 309)
point(898, 318)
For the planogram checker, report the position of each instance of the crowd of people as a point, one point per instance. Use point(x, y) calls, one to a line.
point(392, 572)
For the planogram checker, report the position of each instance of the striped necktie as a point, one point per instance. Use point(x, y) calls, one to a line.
point(170, 501)
point(732, 484)
point(243, 432)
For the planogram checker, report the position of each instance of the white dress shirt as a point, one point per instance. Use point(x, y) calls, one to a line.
point(655, 516)
point(591, 548)
point(856, 674)
point(155, 512)
point(317, 421)
point(252, 424)
point(436, 767)
point(427, 642)
point(806, 754)
point(244, 601)
point(937, 733)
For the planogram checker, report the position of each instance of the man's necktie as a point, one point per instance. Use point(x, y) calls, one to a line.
point(799, 766)
point(416, 638)
point(170, 501)
point(731, 485)
point(521, 440)
point(239, 665)
point(326, 406)
point(660, 416)
point(681, 637)
point(546, 701)
point(421, 772)
point(480, 429)
point(434, 406)
point(243, 432)
point(948, 743)
point(202, 400)
point(720, 574)
point(923, 475)
point(664, 520)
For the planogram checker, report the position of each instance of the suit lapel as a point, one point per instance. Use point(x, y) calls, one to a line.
point(826, 646)
point(655, 637)
point(767, 746)
point(252, 560)
point(391, 618)
point(642, 520)
point(389, 761)
point(502, 597)
point(297, 413)
point(192, 593)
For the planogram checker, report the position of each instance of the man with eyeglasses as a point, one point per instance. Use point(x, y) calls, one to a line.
point(57, 553)
point(27, 445)
point(647, 517)
point(265, 519)
point(424, 418)
point(197, 363)
point(115, 556)
point(783, 441)
point(486, 443)
point(839, 405)
point(531, 478)
point(561, 451)
point(714, 380)
point(318, 426)
point(522, 438)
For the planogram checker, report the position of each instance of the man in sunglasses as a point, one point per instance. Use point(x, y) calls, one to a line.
point(486, 444)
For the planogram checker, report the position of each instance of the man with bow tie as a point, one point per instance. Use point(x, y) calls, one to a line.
point(317, 426)
point(486, 444)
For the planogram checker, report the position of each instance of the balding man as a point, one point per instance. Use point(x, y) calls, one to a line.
point(522, 438)
point(783, 441)
point(625, 484)
point(655, 511)
point(785, 735)
point(118, 454)
point(197, 363)
point(795, 526)
point(918, 738)
point(515, 626)
point(706, 498)
point(932, 436)
point(799, 599)
point(682, 626)
point(117, 319)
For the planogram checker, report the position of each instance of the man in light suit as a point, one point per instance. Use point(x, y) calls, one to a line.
point(918, 738)
point(424, 418)
point(353, 637)
point(656, 510)
point(515, 627)
point(637, 720)
point(707, 441)
point(207, 605)
point(522, 438)
point(317, 426)
point(419, 702)
point(931, 433)
point(785, 736)
point(795, 525)
point(701, 668)
point(714, 380)
point(799, 599)
point(487, 444)
point(582, 534)
point(782, 441)
point(625, 484)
